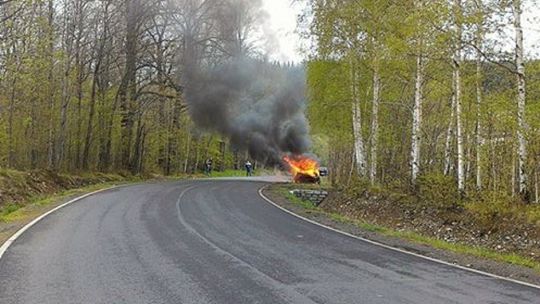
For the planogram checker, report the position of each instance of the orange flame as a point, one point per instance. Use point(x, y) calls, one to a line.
point(302, 167)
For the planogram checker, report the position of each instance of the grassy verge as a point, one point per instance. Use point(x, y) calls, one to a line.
point(298, 201)
point(417, 238)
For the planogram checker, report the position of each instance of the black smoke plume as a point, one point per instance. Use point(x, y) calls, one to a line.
point(259, 106)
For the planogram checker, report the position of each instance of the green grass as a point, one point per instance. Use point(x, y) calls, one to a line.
point(9, 209)
point(417, 238)
point(298, 201)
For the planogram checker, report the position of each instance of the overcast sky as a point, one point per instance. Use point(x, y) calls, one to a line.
point(283, 22)
point(283, 17)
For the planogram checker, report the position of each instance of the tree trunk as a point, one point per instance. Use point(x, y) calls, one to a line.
point(65, 100)
point(106, 148)
point(513, 176)
point(11, 145)
point(536, 194)
point(521, 99)
point(359, 148)
point(417, 119)
point(79, 60)
point(128, 88)
point(457, 74)
point(138, 147)
point(459, 133)
point(97, 81)
point(50, 142)
point(33, 134)
point(375, 125)
point(78, 136)
point(450, 134)
point(91, 113)
point(188, 153)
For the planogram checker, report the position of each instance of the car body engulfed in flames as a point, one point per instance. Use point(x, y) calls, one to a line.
point(303, 169)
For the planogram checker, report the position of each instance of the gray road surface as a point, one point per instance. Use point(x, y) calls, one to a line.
point(219, 242)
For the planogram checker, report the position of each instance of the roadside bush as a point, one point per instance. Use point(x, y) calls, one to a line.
point(533, 215)
point(359, 188)
point(437, 190)
point(493, 209)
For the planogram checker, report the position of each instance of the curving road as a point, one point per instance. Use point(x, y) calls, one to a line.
point(219, 242)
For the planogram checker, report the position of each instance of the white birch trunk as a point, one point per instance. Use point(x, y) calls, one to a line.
point(417, 120)
point(459, 126)
point(521, 98)
point(450, 133)
point(459, 133)
point(479, 97)
point(375, 125)
point(359, 148)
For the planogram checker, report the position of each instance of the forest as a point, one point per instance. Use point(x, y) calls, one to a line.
point(405, 94)
point(439, 96)
point(90, 86)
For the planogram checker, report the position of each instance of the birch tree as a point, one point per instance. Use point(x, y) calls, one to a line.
point(478, 84)
point(359, 146)
point(375, 122)
point(521, 99)
point(416, 134)
point(416, 138)
point(457, 64)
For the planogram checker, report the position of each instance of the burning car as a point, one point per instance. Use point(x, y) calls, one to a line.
point(303, 169)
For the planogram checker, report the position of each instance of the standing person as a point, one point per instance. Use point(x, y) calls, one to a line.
point(208, 167)
point(249, 168)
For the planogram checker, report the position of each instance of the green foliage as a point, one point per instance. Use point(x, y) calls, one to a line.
point(330, 101)
point(298, 201)
point(65, 81)
point(363, 35)
point(492, 208)
point(533, 215)
point(8, 209)
point(438, 191)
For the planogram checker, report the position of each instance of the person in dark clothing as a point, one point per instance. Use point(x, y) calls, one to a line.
point(249, 168)
point(208, 167)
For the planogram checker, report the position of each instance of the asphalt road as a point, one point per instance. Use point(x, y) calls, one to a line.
point(219, 242)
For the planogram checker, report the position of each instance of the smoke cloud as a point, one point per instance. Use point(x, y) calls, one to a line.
point(259, 106)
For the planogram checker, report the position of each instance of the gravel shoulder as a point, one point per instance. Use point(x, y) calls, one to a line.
point(521, 273)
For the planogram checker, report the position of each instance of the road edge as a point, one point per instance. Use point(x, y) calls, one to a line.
point(5, 246)
point(491, 275)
